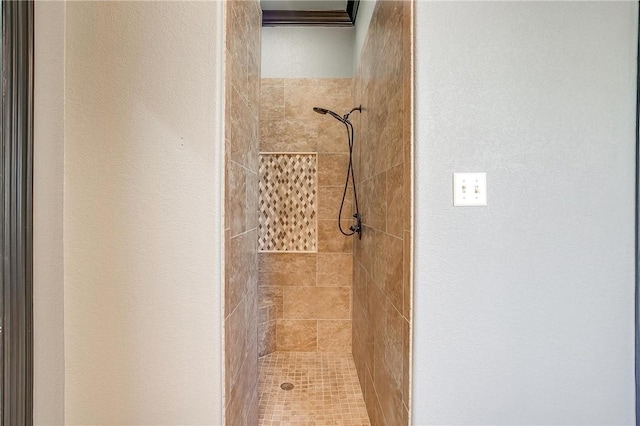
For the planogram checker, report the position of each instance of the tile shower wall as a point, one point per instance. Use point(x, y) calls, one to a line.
point(242, 88)
point(305, 298)
point(382, 275)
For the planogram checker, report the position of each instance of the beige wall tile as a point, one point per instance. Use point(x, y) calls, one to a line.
point(237, 70)
point(407, 200)
point(389, 346)
point(329, 200)
point(406, 359)
point(360, 286)
point(251, 247)
point(301, 99)
point(392, 146)
point(395, 200)
point(267, 313)
point(332, 169)
point(378, 202)
point(363, 340)
point(366, 248)
point(266, 338)
point(364, 142)
point(253, 80)
point(317, 302)
point(287, 269)
point(389, 396)
point(288, 136)
point(234, 406)
point(252, 199)
point(271, 295)
point(373, 405)
point(239, 258)
point(278, 82)
point(297, 335)
point(388, 389)
point(334, 336)
point(392, 265)
point(271, 103)
point(332, 84)
point(366, 201)
point(263, 313)
point(240, 134)
point(241, 198)
point(332, 135)
point(376, 315)
point(235, 348)
point(406, 276)
point(335, 269)
point(227, 106)
point(375, 256)
point(388, 363)
point(243, 393)
point(330, 240)
point(254, 145)
point(236, 197)
point(251, 326)
point(359, 327)
point(252, 414)
point(407, 115)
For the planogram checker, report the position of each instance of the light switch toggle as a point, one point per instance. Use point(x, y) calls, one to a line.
point(463, 196)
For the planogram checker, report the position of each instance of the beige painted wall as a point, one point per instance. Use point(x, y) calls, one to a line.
point(48, 262)
point(307, 52)
point(142, 214)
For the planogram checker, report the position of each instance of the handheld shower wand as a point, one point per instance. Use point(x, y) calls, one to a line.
point(357, 227)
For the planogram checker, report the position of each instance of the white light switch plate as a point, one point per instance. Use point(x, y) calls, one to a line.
point(469, 189)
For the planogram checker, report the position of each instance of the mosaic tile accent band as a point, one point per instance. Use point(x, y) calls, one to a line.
point(287, 194)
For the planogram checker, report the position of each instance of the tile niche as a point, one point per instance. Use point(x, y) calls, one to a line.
point(287, 202)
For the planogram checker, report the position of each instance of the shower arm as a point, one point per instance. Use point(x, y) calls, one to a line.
point(346, 116)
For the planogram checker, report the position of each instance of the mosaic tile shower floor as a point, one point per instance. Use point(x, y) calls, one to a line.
point(326, 390)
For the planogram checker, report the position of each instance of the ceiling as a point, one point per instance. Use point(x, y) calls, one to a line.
point(327, 13)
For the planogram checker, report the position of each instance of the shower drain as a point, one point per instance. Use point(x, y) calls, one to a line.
point(286, 386)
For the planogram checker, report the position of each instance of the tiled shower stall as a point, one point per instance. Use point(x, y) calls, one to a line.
point(305, 289)
point(294, 283)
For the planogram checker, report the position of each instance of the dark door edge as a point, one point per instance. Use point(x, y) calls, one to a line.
point(16, 234)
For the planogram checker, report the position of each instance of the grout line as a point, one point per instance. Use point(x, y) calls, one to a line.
point(243, 233)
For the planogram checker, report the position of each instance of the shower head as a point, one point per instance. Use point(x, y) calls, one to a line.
point(344, 119)
point(331, 113)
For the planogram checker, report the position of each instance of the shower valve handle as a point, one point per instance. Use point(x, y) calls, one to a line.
point(358, 226)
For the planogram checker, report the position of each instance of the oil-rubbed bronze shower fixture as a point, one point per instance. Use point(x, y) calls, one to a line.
point(356, 228)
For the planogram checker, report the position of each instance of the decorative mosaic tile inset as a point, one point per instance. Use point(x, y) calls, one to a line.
point(326, 390)
point(287, 220)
